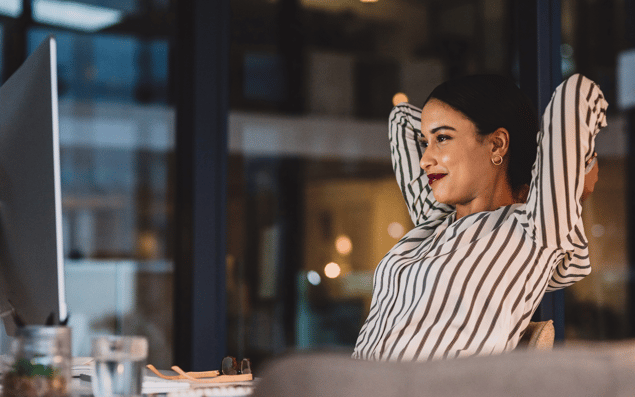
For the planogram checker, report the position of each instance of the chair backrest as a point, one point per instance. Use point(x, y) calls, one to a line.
point(538, 336)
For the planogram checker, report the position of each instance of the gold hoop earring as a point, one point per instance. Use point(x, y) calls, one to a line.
point(498, 161)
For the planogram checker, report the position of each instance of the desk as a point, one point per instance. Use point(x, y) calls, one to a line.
point(155, 386)
point(82, 388)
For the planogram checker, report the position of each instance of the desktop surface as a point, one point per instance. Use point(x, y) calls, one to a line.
point(155, 386)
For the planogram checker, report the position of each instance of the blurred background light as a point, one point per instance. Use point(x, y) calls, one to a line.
point(74, 15)
point(396, 230)
point(566, 50)
point(11, 8)
point(313, 277)
point(332, 270)
point(597, 230)
point(343, 245)
point(399, 98)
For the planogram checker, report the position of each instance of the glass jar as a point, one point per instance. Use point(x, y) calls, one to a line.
point(41, 363)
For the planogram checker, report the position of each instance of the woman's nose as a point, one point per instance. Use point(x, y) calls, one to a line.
point(427, 159)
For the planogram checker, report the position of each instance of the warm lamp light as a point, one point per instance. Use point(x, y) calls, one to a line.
point(332, 270)
point(343, 245)
point(399, 98)
point(396, 230)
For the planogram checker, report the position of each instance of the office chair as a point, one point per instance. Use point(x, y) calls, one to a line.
point(538, 336)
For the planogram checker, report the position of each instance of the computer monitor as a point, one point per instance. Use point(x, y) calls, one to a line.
point(31, 249)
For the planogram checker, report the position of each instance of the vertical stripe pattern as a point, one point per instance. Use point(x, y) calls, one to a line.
point(469, 287)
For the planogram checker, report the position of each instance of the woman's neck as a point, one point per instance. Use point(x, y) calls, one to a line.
point(500, 196)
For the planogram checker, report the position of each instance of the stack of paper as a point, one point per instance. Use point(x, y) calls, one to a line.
point(214, 391)
point(81, 366)
point(83, 369)
point(156, 385)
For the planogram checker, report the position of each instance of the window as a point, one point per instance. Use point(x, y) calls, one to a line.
point(117, 128)
point(313, 205)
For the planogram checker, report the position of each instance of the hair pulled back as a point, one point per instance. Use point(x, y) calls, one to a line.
point(492, 102)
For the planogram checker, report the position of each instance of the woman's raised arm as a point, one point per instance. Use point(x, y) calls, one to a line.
point(575, 114)
point(405, 152)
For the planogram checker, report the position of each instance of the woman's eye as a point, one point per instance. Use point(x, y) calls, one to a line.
point(442, 138)
point(422, 142)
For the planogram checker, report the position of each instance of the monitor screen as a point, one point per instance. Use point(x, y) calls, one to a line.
point(31, 250)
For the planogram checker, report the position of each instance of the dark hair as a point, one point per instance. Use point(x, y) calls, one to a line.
point(493, 102)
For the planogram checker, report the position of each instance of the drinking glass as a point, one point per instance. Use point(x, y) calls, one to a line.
point(118, 363)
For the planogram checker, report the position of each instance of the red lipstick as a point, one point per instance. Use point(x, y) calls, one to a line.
point(434, 177)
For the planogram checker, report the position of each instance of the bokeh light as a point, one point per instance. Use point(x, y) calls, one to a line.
point(332, 270)
point(396, 230)
point(343, 245)
point(313, 277)
point(597, 230)
point(566, 50)
point(398, 98)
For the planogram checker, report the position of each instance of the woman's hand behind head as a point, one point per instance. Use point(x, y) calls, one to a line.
point(589, 182)
point(520, 194)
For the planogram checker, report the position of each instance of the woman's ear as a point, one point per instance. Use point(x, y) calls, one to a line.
point(499, 140)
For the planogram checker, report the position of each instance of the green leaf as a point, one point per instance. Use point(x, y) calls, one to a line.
point(24, 367)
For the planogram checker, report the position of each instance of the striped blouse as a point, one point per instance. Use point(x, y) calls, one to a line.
point(453, 288)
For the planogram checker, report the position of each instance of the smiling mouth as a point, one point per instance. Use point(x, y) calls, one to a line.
point(434, 177)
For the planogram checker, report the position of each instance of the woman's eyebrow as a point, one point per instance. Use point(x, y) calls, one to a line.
point(443, 127)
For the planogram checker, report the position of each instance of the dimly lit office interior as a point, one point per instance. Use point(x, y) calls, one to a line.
point(227, 187)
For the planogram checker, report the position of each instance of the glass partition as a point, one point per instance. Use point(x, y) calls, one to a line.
point(313, 205)
point(117, 128)
point(594, 43)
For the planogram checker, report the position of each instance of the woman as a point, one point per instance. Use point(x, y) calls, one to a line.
point(492, 232)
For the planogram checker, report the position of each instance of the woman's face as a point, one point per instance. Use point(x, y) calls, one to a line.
point(456, 159)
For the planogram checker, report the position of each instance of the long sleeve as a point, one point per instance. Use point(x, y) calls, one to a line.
point(573, 117)
point(405, 151)
point(573, 266)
